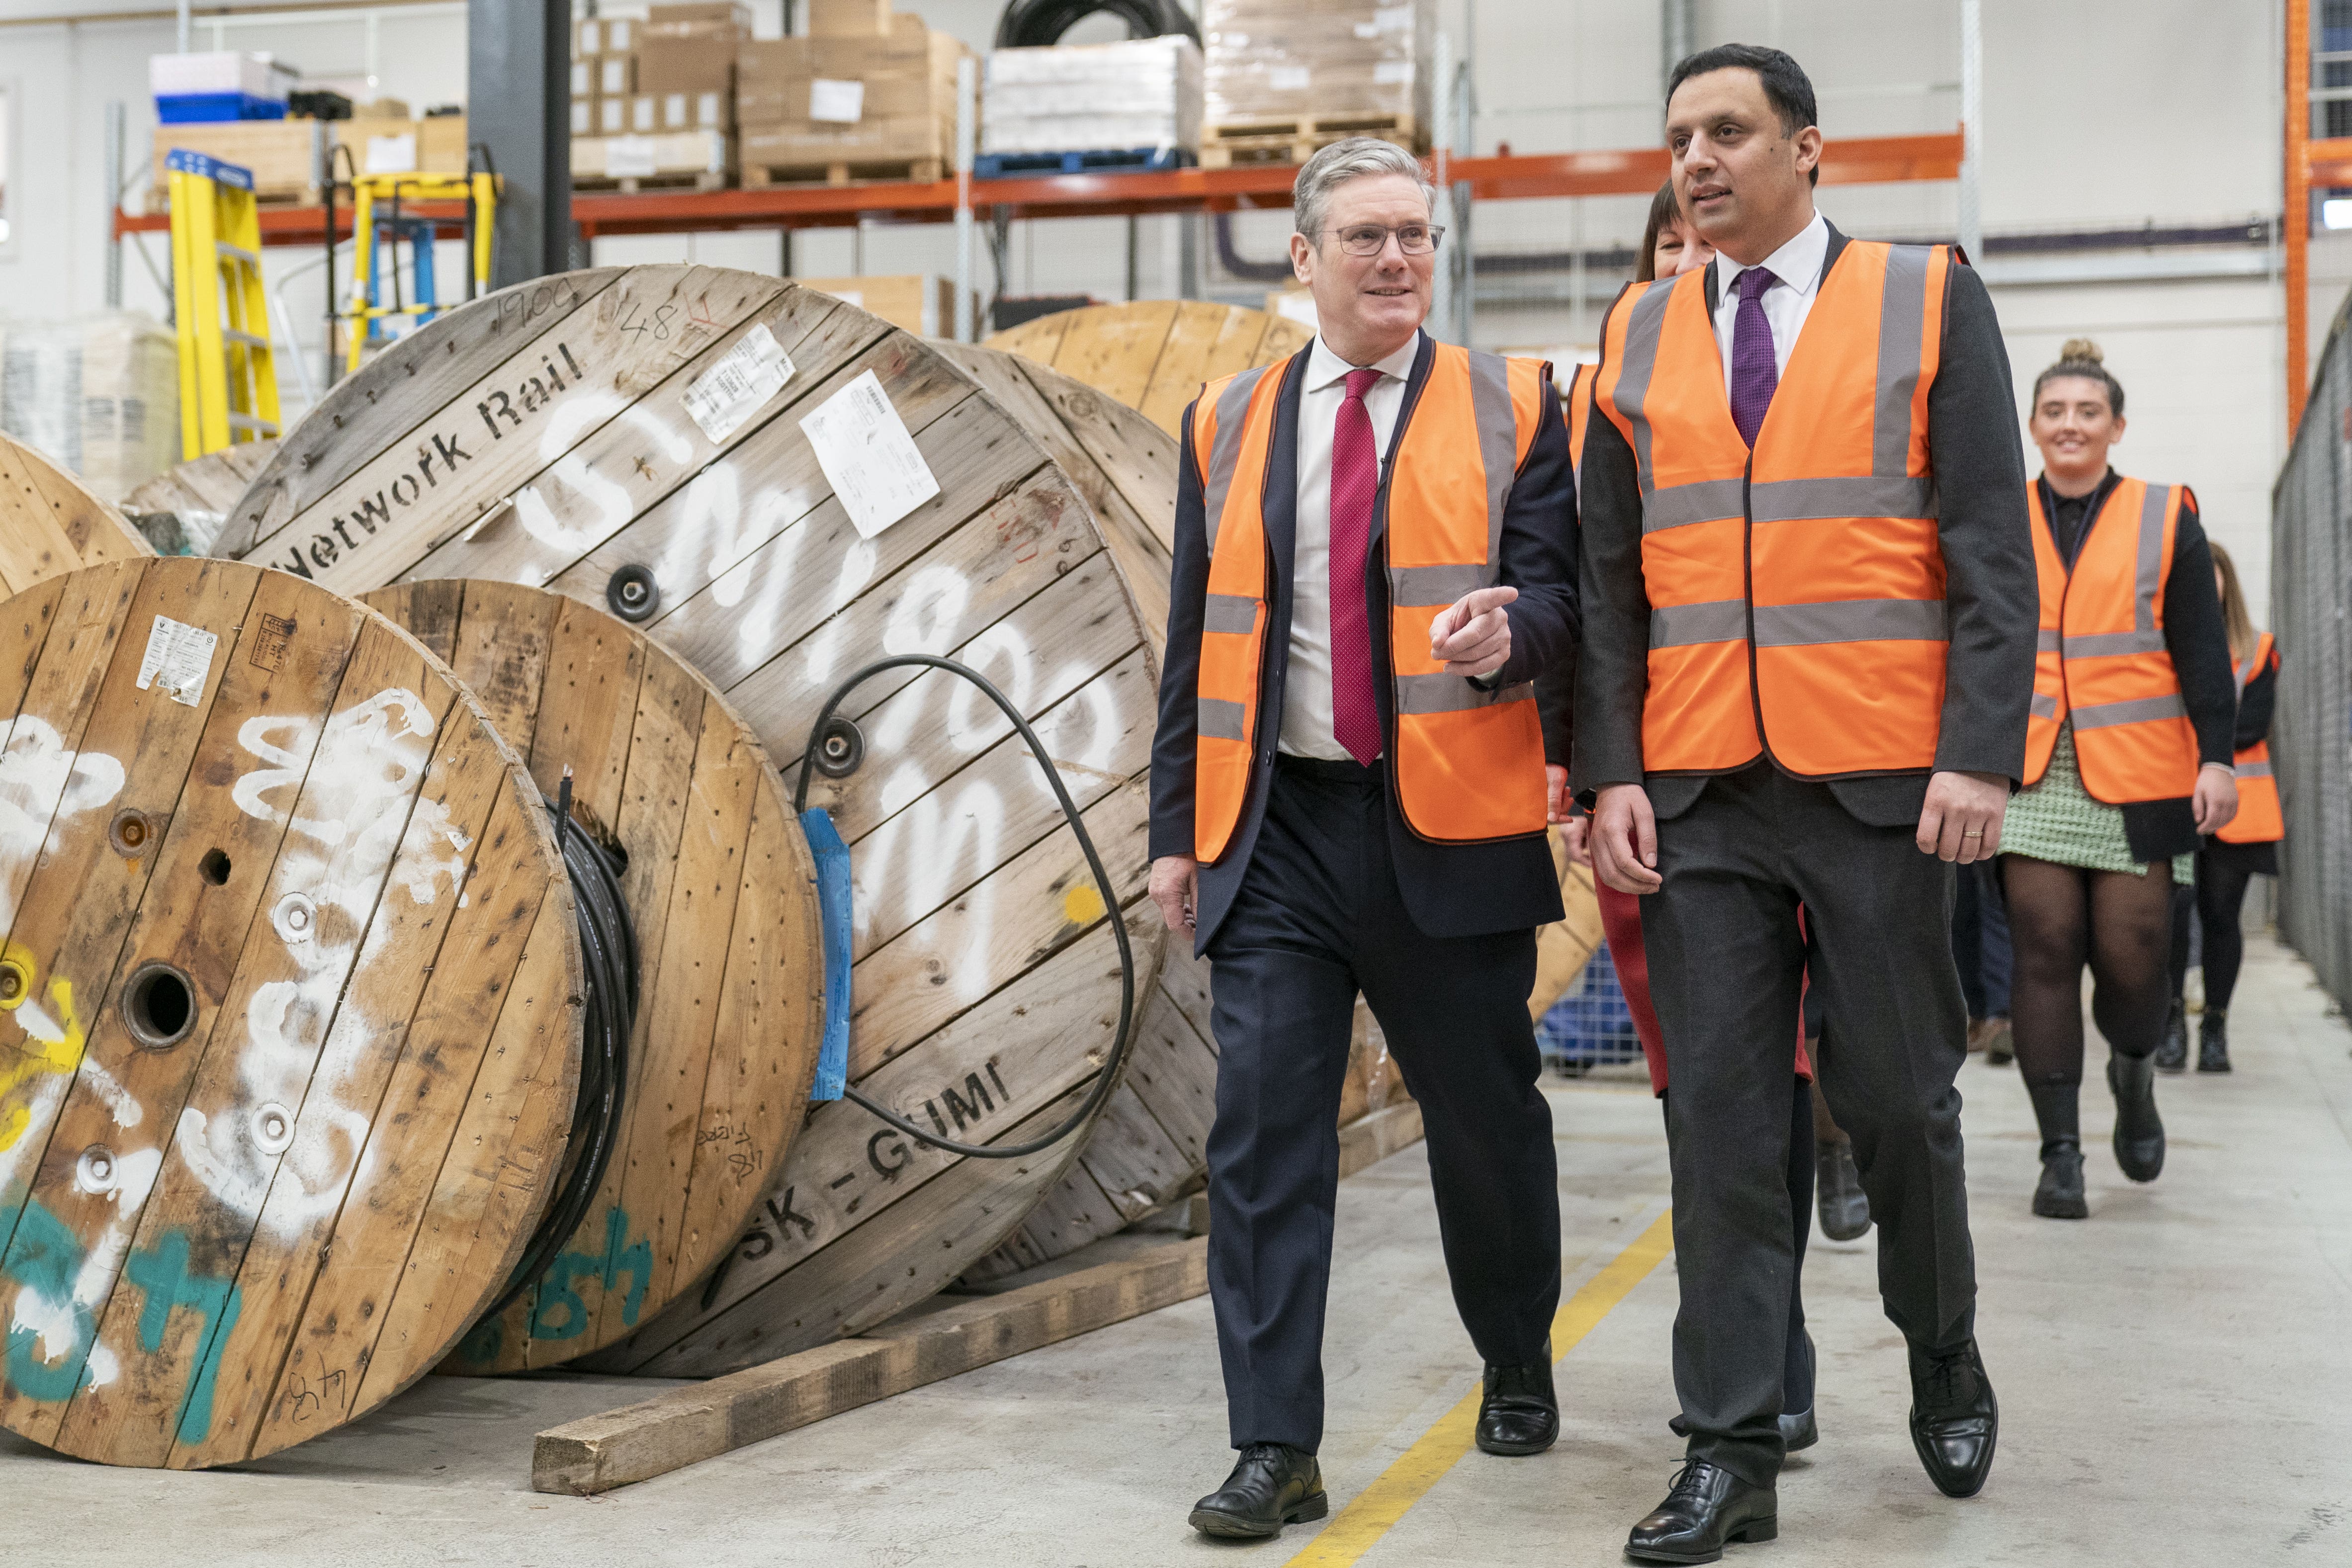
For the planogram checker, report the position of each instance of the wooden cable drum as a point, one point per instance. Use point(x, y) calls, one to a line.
point(196, 496)
point(292, 1032)
point(1153, 354)
point(51, 524)
point(721, 895)
point(641, 438)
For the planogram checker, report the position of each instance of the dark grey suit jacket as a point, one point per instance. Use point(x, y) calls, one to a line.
point(1451, 889)
point(1990, 586)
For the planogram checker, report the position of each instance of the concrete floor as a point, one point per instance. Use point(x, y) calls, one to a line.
point(2175, 1377)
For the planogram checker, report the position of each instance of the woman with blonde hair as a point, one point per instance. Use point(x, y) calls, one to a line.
point(2245, 848)
point(2128, 762)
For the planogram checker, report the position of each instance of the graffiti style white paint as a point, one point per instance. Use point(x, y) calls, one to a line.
point(42, 781)
point(55, 1322)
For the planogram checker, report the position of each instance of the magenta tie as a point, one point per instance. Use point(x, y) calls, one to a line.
point(1755, 374)
point(1355, 478)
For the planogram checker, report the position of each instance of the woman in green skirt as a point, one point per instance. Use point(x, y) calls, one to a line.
point(2128, 761)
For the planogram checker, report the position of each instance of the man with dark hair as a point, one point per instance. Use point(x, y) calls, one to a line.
point(1809, 624)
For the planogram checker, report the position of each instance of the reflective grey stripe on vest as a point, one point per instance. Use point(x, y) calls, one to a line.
point(1704, 500)
point(1499, 440)
point(1453, 694)
point(1901, 310)
point(1851, 620)
point(1220, 719)
point(1688, 625)
point(2139, 711)
point(1426, 586)
point(2043, 706)
point(1233, 403)
point(1870, 495)
point(1642, 325)
point(2108, 645)
point(2245, 671)
point(2253, 770)
point(2049, 639)
point(1230, 612)
point(2152, 559)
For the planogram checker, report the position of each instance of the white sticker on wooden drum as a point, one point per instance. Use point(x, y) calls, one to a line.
point(178, 657)
point(867, 456)
point(721, 398)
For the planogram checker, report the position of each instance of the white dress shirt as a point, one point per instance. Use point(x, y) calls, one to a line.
point(1798, 266)
point(1306, 690)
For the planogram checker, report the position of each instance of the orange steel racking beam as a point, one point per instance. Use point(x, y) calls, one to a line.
point(1518, 176)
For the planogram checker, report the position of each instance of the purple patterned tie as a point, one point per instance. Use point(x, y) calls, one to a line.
point(1754, 372)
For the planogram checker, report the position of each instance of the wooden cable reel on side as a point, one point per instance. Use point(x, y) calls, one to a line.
point(562, 433)
point(722, 897)
point(51, 524)
point(292, 1038)
point(1153, 354)
point(180, 512)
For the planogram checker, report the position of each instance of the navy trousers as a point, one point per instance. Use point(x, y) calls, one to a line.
point(1317, 920)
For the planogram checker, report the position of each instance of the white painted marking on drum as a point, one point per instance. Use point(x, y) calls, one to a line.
point(127, 1113)
point(51, 1319)
point(914, 860)
point(576, 531)
point(41, 781)
point(928, 613)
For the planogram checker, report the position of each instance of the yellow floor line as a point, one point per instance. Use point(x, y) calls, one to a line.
point(1362, 1523)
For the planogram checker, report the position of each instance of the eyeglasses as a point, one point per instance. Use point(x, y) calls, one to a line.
point(1372, 238)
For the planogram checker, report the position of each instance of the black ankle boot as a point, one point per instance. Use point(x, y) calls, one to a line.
point(2139, 1132)
point(1272, 1484)
point(2060, 1196)
point(2213, 1041)
point(2173, 1055)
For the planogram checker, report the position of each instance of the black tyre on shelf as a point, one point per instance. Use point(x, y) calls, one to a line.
point(1034, 24)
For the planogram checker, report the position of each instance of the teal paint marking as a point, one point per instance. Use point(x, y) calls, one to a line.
point(43, 1260)
point(162, 1273)
point(559, 1313)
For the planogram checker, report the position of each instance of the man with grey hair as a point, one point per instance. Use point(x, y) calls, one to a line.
point(1375, 555)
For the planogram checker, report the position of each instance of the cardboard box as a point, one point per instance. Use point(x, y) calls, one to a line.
point(706, 110)
point(377, 145)
point(903, 76)
point(1321, 59)
point(612, 117)
point(441, 146)
point(700, 63)
point(667, 155)
point(593, 36)
point(285, 155)
point(617, 76)
point(708, 11)
point(848, 18)
point(920, 303)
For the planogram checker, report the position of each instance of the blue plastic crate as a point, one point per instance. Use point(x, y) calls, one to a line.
point(1109, 160)
point(1590, 1027)
point(212, 107)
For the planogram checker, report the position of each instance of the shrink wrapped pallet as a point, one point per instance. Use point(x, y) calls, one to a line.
point(1314, 70)
point(842, 106)
point(1145, 93)
point(100, 393)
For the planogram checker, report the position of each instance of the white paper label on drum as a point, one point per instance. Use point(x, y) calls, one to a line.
point(842, 102)
point(629, 157)
point(739, 384)
point(867, 456)
point(179, 656)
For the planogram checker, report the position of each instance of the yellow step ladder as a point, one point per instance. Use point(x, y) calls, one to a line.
point(228, 376)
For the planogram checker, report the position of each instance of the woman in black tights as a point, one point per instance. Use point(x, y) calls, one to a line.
point(2246, 848)
point(2128, 761)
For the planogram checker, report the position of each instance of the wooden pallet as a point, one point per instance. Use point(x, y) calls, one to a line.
point(1294, 139)
point(683, 180)
point(926, 171)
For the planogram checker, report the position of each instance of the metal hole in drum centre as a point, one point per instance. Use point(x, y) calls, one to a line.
point(159, 1005)
point(213, 867)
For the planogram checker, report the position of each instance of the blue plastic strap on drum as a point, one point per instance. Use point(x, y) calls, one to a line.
point(833, 904)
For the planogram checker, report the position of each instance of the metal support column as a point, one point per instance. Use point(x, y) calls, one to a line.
point(116, 122)
point(967, 142)
point(2299, 211)
point(1441, 149)
point(1972, 129)
point(1677, 36)
point(518, 109)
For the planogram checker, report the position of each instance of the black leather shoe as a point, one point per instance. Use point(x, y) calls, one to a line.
point(1954, 1420)
point(2060, 1196)
point(2173, 1055)
point(1272, 1485)
point(2213, 1041)
point(2139, 1132)
point(1799, 1431)
point(1706, 1505)
point(1520, 1413)
point(1837, 1193)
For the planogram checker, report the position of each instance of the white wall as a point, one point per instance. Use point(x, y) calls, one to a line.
point(2165, 111)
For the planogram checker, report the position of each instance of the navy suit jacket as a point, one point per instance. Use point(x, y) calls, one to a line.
point(1451, 889)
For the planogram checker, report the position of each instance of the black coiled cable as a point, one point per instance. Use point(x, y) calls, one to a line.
point(608, 952)
point(1107, 1075)
point(1032, 24)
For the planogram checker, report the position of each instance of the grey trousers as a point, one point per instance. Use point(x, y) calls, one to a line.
point(1726, 964)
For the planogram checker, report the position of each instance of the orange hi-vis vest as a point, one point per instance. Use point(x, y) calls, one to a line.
point(2259, 818)
point(1580, 416)
point(1796, 592)
point(1466, 766)
point(2100, 661)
